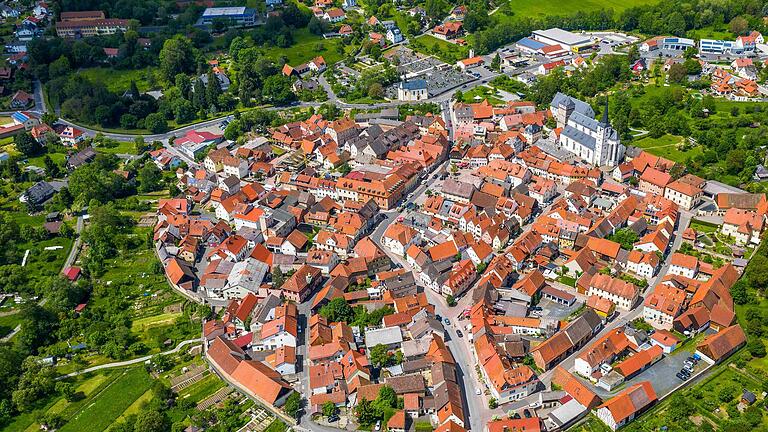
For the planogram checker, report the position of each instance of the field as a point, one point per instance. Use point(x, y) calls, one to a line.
point(542, 8)
point(104, 397)
point(110, 402)
point(308, 46)
point(711, 33)
point(667, 146)
point(445, 51)
point(119, 80)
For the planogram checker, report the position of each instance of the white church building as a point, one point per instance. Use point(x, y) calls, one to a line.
point(594, 142)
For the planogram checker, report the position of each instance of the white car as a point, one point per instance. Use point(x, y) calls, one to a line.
point(477, 391)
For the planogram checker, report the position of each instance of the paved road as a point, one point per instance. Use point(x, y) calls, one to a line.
point(133, 361)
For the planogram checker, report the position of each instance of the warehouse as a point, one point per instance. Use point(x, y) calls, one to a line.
point(570, 41)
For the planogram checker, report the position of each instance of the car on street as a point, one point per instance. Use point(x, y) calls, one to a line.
point(459, 333)
point(446, 321)
point(477, 391)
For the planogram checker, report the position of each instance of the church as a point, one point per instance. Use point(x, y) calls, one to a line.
point(594, 142)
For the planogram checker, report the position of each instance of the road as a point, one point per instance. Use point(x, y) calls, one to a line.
point(133, 361)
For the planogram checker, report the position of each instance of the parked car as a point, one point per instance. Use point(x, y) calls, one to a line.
point(378, 425)
point(477, 391)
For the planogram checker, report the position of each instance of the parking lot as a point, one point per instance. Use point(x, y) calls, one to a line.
point(557, 311)
point(661, 375)
point(440, 76)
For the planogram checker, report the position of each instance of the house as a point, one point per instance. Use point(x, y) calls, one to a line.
point(683, 194)
point(21, 99)
point(394, 35)
point(663, 305)
point(643, 264)
point(716, 347)
point(743, 226)
point(262, 382)
point(398, 238)
point(532, 424)
point(666, 340)
point(195, 142)
point(301, 284)
point(623, 294)
point(283, 360)
point(625, 406)
point(684, 265)
point(334, 15)
point(71, 135)
point(448, 31)
point(470, 63)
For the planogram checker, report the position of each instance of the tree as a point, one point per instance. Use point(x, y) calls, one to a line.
point(135, 91)
point(738, 26)
point(451, 300)
point(150, 178)
point(315, 26)
point(139, 145)
point(626, 237)
point(756, 347)
point(366, 413)
point(375, 90)
point(380, 356)
point(338, 310)
point(496, 63)
point(156, 123)
point(176, 56)
point(212, 90)
point(677, 73)
point(59, 68)
point(458, 96)
point(277, 90)
point(152, 421)
point(387, 398)
point(329, 409)
point(66, 389)
point(26, 144)
point(292, 405)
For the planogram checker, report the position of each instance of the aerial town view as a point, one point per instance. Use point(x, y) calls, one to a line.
point(361, 215)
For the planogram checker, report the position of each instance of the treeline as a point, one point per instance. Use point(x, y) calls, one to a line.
point(672, 17)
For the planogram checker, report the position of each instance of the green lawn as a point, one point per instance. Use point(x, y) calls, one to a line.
point(8, 323)
point(445, 51)
point(277, 426)
point(147, 323)
point(543, 8)
point(111, 402)
point(479, 93)
point(306, 47)
point(202, 389)
point(711, 32)
point(667, 146)
point(119, 80)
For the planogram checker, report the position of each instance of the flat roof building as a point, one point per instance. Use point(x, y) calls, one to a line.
point(568, 40)
point(239, 16)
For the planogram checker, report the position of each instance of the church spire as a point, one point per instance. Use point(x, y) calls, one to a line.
point(604, 121)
